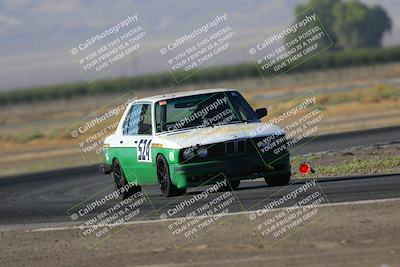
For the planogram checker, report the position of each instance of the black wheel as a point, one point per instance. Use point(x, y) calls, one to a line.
point(234, 185)
point(120, 181)
point(278, 181)
point(167, 188)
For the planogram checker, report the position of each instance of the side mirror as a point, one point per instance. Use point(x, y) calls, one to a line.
point(261, 112)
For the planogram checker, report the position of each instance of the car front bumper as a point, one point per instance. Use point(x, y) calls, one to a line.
point(240, 168)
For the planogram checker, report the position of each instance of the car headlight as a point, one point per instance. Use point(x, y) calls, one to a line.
point(202, 152)
point(188, 153)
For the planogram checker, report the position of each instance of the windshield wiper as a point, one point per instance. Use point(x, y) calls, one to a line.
point(234, 122)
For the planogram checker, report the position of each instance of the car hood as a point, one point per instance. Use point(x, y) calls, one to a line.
point(217, 134)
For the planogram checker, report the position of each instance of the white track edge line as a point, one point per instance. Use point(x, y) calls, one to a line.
point(358, 202)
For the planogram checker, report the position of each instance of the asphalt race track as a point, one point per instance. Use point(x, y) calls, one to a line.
point(46, 197)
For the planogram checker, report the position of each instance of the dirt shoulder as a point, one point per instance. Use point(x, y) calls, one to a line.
point(364, 234)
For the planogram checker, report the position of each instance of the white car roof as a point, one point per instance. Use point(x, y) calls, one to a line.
point(182, 94)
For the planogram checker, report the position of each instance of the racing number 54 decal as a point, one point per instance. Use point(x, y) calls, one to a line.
point(144, 150)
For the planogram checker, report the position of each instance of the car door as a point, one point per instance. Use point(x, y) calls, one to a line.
point(136, 142)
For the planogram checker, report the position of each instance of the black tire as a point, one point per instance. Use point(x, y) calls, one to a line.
point(278, 181)
point(234, 185)
point(167, 188)
point(120, 181)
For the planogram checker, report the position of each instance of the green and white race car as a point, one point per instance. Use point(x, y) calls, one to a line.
point(193, 138)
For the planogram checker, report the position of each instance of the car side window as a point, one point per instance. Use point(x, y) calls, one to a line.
point(130, 126)
point(138, 120)
point(144, 126)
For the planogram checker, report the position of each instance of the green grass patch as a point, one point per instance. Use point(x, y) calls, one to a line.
point(355, 166)
point(361, 166)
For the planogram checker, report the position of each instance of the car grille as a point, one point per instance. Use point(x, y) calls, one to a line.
point(265, 146)
point(235, 146)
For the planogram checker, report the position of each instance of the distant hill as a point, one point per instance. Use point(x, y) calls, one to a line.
point(35, 35)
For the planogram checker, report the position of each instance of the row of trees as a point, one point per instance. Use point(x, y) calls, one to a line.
point(350, 24)
point(334, 59)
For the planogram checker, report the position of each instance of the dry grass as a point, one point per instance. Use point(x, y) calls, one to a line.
point(354, 98)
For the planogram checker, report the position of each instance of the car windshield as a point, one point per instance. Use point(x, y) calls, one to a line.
point(205, 110)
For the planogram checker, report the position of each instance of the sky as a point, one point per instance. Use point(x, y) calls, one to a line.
point(37, 35)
